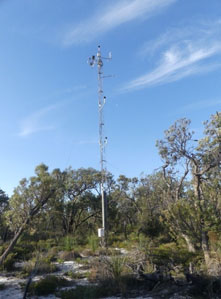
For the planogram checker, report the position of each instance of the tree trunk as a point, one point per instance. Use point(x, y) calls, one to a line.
point(205, 248)
point(13, 242)
point(190, 245)
point(32, 213)
point(204, 233)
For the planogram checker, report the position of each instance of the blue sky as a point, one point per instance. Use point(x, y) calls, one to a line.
point(166, 65)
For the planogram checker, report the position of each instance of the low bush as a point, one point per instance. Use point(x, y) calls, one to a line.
point(77, 275)
point(87, 252)
point(68, 255)
point(103, 251)
point(107, 287)
point(9, 262)
point(2, 286)
point(87, 292)
point(24, 250)
point(42, 267)
point(170, 256)
point(48, 285)
point(93, 242)
point(111, 269)
point(116, 266)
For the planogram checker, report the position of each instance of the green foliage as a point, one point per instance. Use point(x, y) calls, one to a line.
point(4, 200)
point(126, 244)
point(175, 205)
point(170, 255)
point(108, 287)
point(47, 285)
point(77, 275)
point(46, 244)
point(69, 243)
point(3, 248)
point(9, 262)
point(105, 288)
point(93, 242)
point(111, 269)
point(24, 250)
point(116, 266)
point(69, 255)
point(87, 292)
point(41, 267)
point(143, 242)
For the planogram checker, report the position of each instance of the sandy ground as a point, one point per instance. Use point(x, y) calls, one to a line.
point(13, 289)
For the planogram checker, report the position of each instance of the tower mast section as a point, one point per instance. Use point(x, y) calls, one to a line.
point(101, 103)
point(98, 60)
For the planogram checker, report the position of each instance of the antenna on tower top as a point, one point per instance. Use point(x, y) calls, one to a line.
point(92, 61)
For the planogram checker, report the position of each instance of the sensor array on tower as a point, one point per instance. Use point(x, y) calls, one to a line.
point(92, 61)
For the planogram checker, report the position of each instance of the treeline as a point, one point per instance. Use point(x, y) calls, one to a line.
point(179, 204)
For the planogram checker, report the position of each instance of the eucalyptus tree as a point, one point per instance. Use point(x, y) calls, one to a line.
point(76, 207)
point(27, 201)
point(80, 198)
point(188, 211)
point(124, 203)
point(150, 199)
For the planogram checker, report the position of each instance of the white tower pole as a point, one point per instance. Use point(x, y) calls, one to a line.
point(98, 60)
point(101, 103)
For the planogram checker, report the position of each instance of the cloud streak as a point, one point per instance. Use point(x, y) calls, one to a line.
point(182, 53)
point(111, 17)
point(33, 123)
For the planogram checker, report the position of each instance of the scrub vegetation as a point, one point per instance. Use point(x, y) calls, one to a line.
point(163, 228)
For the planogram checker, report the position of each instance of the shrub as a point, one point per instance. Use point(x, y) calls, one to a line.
point(24, 250)
point(68, 243)
point(8, 264)
point(103, 251)
point(93, 242)
point(108, 268)
point(87, 292)
point(47, 285)
point(116, 266)
point(86, 253)
point(170, 255)
point(68, 255)
point(42, 267)
point(77, 275)
point(52, 255)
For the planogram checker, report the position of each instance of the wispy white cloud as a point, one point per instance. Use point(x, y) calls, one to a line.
point(200, 32)
point(182, 53)
point(33, 123)
point(112, 16)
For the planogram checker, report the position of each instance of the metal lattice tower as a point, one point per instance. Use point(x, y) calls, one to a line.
point(98, 60)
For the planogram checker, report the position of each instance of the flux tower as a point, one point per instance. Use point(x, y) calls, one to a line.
point(98, 60)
